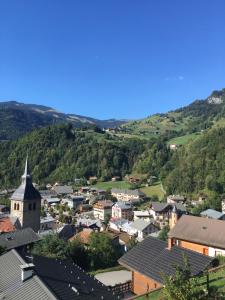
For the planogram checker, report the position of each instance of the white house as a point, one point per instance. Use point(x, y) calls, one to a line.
point(142, 215)
point(122, 210)
point(141, 229)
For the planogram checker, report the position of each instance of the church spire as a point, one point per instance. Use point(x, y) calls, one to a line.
point(26, 176)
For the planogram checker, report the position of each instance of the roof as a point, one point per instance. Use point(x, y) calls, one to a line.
point(123, 205)
point(139, 213)
point(52, 279)
point(52, 200)
point(140, 225)
point(18, 238)
point(212, 213)
point(67, 232)
point(127, 192)
point(47, 219)
point(161, 206)
point(63, 189)
point(199, 230)
point(103, 204)
point(26, 191)
point(68, 281)
point(152, 258)
point(114, 278)
point(83, 236)
point(11, 286)
point(6, 225)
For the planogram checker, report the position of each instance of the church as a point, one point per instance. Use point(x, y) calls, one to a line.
point(25, 206)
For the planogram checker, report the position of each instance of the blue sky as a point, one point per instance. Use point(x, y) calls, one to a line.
point(111, 58)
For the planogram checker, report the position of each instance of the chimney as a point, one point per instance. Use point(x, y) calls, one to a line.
point(26, 271)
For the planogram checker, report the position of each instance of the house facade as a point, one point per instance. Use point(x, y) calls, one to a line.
point(122, 210)
point(127, 195)
point(102, 209)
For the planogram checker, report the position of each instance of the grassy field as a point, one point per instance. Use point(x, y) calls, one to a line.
point(112, 184)
point(152, 190)
point(182, 140)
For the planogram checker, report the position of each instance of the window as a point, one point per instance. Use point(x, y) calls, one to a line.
point(34, 206)
point(14, 206)
point(30, 206)
point(18, 206)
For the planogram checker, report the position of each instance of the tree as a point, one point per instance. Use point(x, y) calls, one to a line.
point(103, 253)
point(78, 253)
point(51, 246)
point(132, 242)
point(163, 235)
point(181, 286)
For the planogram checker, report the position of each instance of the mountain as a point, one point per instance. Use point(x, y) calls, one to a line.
point(17, 119)
point(196, 117)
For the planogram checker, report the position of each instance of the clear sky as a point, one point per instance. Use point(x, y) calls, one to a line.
point(111, 58)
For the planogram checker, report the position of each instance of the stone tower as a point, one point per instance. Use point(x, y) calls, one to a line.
point(26, 203)
point(173, 217)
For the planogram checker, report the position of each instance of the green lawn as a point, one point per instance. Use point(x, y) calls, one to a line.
point(112, 184)
point(182, 140)
point(154, 189)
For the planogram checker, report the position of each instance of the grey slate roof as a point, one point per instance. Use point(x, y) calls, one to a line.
point(11, 286)
point(52, 279)
point(199, 230)
point(26, 191)
point(18, 238)
point(63, 276)
point(152, 259)
point(161, 206)
point(212, 213)
point(140, 225)
point(63, 189)
point(123, 205)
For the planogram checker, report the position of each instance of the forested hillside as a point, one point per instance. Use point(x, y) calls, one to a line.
point(198, 166)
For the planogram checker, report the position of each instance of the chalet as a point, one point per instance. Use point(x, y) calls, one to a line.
point(102, 209)
point(122, 210)
point(202, 235)
point(212, 214)
point(62, 190)
point(117, 224)
point(84, 189)
point(73, 202)
point(116, 178)
point(172, 199)
point(47, 278)
point(161, 211)
point(142, 215)
point(48, 202)
point(47, 223)
point(141, 229)
point(151, 258)
point(127, 195)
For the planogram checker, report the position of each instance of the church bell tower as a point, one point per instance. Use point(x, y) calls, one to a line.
point(26, 202)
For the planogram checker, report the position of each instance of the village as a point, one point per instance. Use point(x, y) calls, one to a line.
point(150, 240)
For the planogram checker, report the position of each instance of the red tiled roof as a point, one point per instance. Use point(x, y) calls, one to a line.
point(6, 225)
